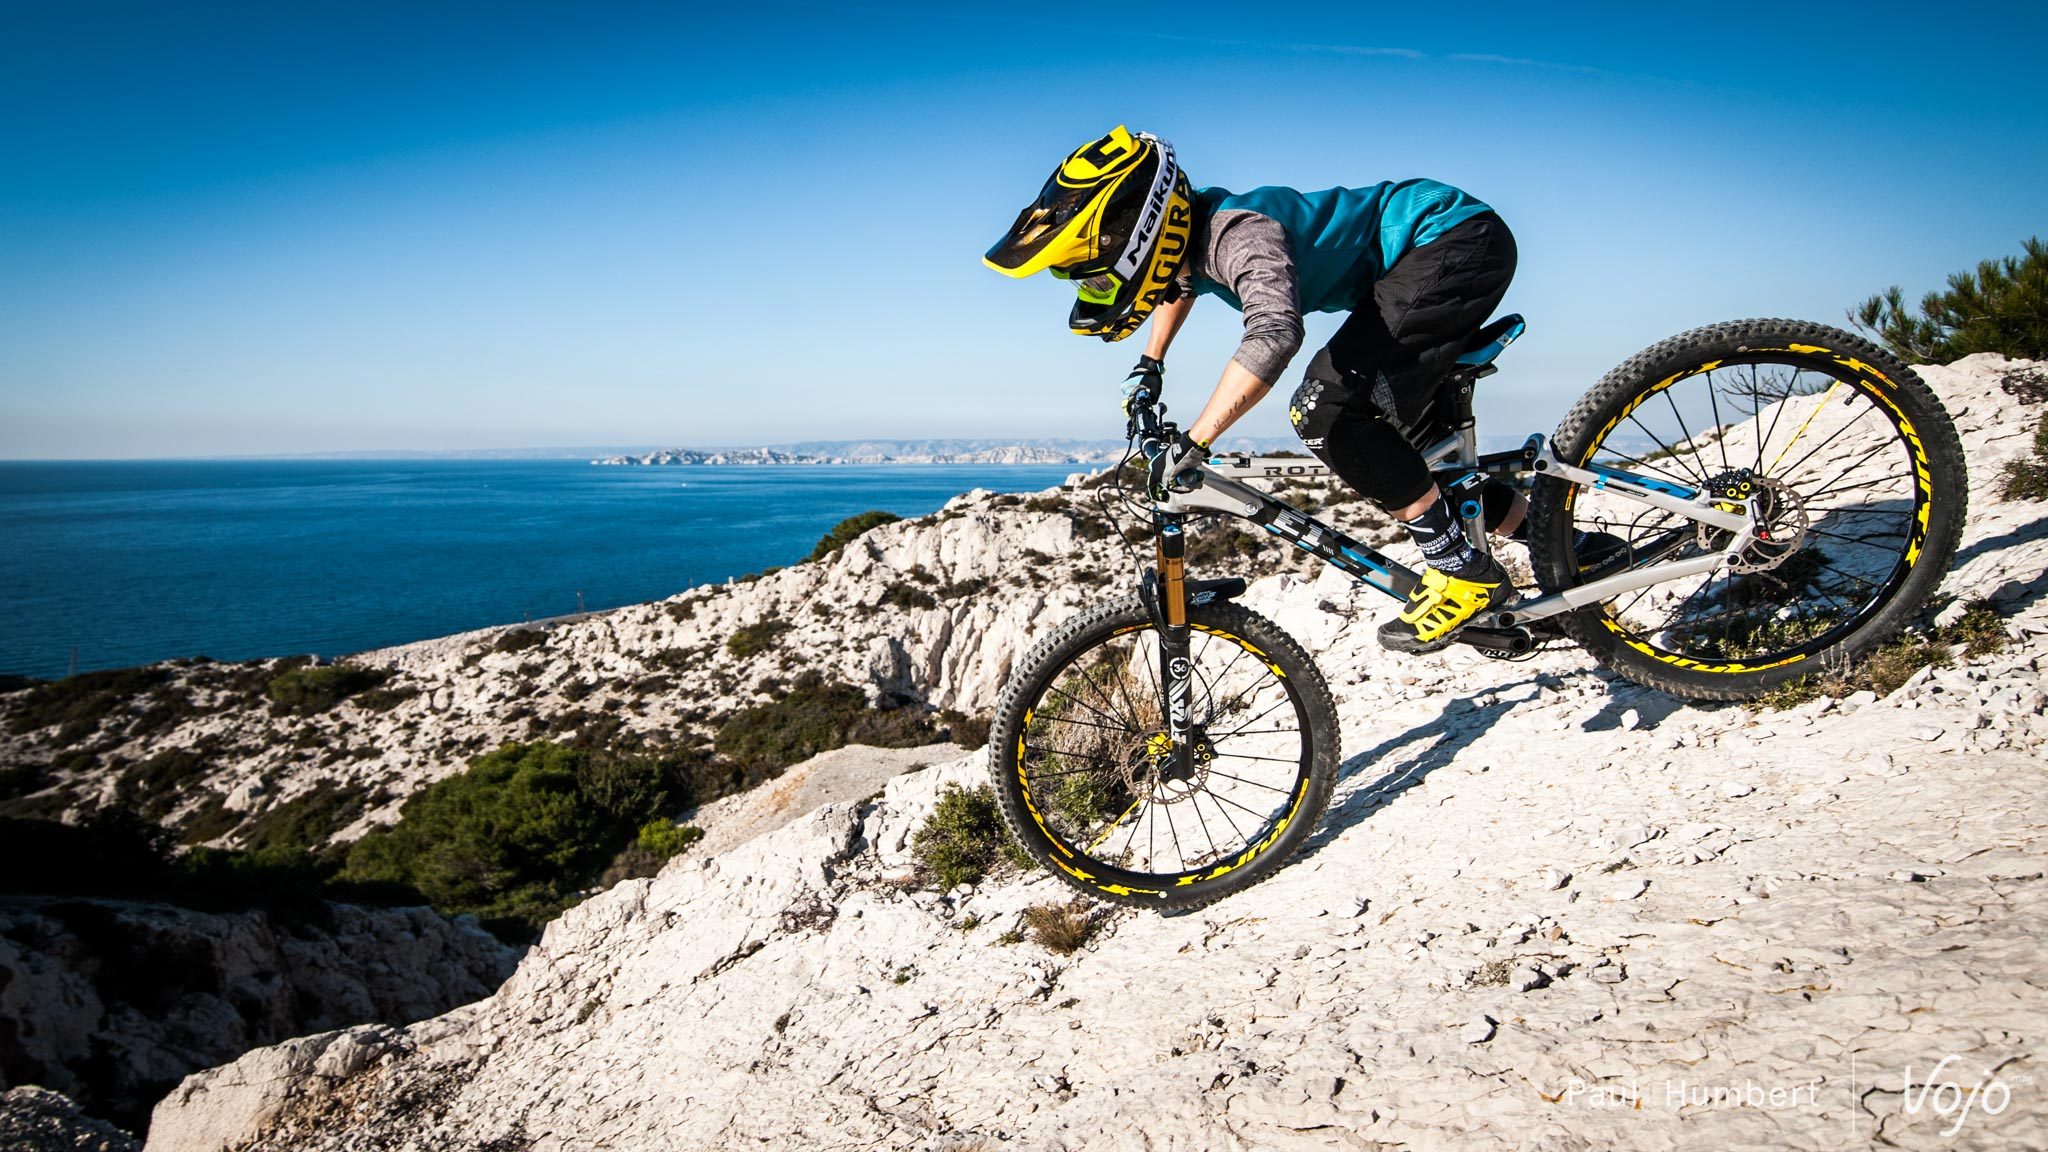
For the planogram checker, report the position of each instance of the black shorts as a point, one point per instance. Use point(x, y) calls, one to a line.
point(1370, 392)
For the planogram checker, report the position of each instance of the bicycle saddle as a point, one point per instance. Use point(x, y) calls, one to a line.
point(1482, 346)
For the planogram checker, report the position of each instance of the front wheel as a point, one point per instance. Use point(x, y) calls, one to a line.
point(1850, 466)
point(1086, 773)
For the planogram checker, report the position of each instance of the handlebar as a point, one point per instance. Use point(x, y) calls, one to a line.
point(1145, 426)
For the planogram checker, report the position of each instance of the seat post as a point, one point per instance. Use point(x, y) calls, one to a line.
point(1459, 420)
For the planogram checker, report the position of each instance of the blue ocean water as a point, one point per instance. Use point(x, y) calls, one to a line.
point(129, 562)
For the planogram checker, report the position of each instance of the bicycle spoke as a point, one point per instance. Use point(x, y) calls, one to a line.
point(1195, 802)
point(1777, 414)
point(1674, 478)
point(1838, 486)
point(1720, 430)
point(1254, 783)
point(1083, 724)
point(1123, 689)
point(1683, 430)
point(1249, 756)
point(1092, 710)
point(1817, 449)
point(1254, 720)
point(1670, 453)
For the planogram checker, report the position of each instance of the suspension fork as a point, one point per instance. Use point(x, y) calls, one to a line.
point(1176, 660)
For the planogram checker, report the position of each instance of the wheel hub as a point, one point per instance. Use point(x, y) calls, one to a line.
point(1152, 769)
point(1777, 513)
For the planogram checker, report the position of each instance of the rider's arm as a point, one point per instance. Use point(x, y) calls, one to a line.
point(1234, 396)
point(1249, 252)
point(1166, 320)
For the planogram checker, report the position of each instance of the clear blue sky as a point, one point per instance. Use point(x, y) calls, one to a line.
point(282, 228)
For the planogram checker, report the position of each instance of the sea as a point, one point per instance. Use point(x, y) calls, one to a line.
point(111, 564)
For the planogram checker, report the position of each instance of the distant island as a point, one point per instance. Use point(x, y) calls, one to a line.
point(890, 452)
point(914, 452)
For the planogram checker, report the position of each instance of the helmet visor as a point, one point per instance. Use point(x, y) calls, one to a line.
point(1040, 224)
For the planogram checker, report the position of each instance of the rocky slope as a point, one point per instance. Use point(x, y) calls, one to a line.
point(113, 1002)
point(930, 611)
point(1546, 910)
point(39, 1120)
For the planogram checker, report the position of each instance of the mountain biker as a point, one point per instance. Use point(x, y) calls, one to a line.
point(1419, 265)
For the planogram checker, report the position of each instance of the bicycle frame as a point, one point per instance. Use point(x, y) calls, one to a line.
point(1460, 472)
point(1217, 485)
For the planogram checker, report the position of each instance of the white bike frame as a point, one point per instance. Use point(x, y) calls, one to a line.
point(1219, 486)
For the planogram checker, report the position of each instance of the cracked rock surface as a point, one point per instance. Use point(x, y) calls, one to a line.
point(1546, 910)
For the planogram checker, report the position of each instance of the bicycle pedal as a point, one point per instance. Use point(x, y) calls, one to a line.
point(1506, 642)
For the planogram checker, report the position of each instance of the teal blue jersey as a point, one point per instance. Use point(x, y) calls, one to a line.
point(1342, 239)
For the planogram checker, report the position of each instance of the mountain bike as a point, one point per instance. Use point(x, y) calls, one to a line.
point(1788, 497)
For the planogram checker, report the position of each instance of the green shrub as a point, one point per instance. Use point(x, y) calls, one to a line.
point(520, 639)
point(118, 854)
point(2002, 307)
point(815, 716)
point(305, 822)
point(1220, 542)
point(756, 638)
point(632, 782)
point(848, 530)
point(2027, 478)
point(210, 819)
point(902, 595)
point(309, 691)
point(154, 786)
point(1979, 632)
point(964, 730)
point(1089, 525)
point(964, 840)
point(960, 589)
point(657, 843)
point(667, 838)
point(77, 704)
point(512, 839)
point(385, 699)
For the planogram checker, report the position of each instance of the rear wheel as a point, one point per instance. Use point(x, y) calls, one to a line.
point(1856, 472)
point(1086, 775)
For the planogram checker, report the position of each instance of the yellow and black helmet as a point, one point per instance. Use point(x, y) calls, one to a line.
point(1114, 219)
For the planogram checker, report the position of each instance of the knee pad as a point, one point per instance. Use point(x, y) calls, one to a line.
point(1322, 395)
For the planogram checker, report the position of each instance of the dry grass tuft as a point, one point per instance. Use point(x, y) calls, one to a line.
point(1060, 927)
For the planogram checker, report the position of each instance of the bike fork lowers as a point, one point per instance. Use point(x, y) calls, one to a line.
point(1176, 661)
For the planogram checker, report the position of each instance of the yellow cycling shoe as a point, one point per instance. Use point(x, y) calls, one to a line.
point(1442, 604)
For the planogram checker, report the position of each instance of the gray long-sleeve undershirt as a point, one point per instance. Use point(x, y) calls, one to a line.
point(1248, 254)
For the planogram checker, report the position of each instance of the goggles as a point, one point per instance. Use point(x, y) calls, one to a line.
point(1095, 288)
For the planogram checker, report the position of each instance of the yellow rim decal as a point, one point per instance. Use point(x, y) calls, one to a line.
point(1878, 388)
point(1071, 865)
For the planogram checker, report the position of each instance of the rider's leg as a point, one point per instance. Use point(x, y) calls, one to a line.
point(1374, 386)
point(1507, 514)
